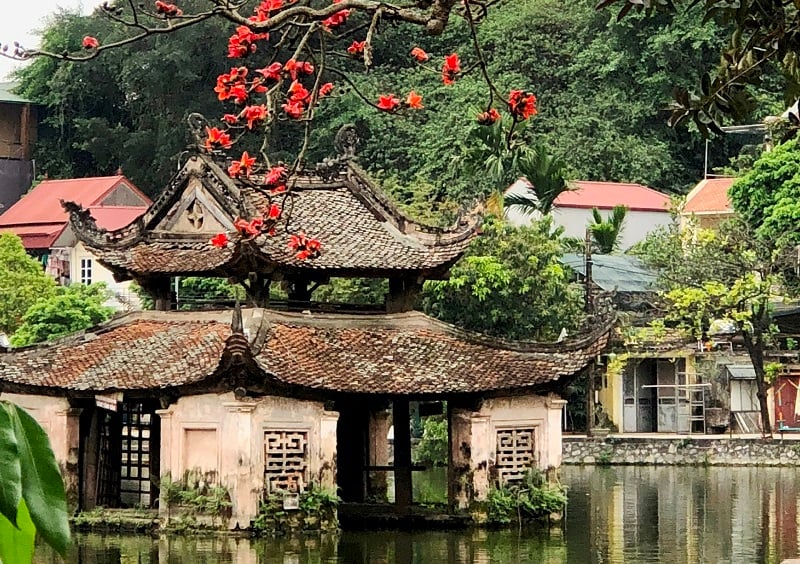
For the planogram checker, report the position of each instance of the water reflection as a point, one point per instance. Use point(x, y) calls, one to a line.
point(615, 514)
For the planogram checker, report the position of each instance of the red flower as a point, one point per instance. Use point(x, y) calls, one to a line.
point(243, 42)
point(420, 55)
point(169, 10)
point(230, 119)
point(220, 240)
point(522, 105)
point(325, 89)
point(488, 117)
point(274, 212)
point(450, 68)
point(294, 108)
point(254, 113)
point(297, 92)
point(388, 103)
point(251, 228)
point(414, 101)
point(90, 42)
point(356, 47)
point(242, 166)
point(336, 19)
point(217, 139)
point(272, 72)
point(305, 247)
point(275, 176)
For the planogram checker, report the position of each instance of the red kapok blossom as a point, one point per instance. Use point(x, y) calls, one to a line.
point(242, 166)
point(294, 108)
point(272, 72)
point(304, 246)
point(488, 117)
point(450, 68)
point(253, 114)
point(420, 55)
point(336, 19)
point(325, 89)
point(243, 42)
point(230, 119)
point(414, 101)
point(522, 105)
point(90, 42)
point(217, 138)
point(220, 240)
point(248, 228)
point(297, 92)
point(356, 47)
point(388, 103)
point(274, 212)
point(275, 176)
point(169, 10)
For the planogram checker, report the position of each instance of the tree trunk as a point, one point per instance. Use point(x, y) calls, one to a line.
point(754, 342)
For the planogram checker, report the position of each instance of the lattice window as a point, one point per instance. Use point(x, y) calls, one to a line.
point(135, 462)
point(285, 460)
point(515, 453)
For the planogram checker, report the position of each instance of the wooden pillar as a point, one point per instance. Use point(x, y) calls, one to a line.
point(158, 288)
point(403, 494)
point(403, 294)
point(257, 288)
point(299, 294)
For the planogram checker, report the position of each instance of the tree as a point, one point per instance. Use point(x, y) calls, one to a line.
point(726, 274)
point(22, 282)
point(70, 309)
point(760, 35)
point(606, 233)
point(510, 284)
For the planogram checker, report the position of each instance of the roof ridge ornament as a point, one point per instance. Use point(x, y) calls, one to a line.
point(345, 143)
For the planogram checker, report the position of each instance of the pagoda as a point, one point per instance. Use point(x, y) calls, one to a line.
point(265, 402)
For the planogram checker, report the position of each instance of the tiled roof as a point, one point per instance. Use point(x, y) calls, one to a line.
point(360, 231)
point(38, 218)
point(8, 97)
point(377, 354)
point(606, 195)
point(709, 196)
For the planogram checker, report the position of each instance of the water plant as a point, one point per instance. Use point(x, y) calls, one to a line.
point(532, 498)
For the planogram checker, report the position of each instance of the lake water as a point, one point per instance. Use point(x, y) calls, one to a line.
point(615, 515)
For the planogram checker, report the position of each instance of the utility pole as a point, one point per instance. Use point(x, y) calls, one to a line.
point(587, 279)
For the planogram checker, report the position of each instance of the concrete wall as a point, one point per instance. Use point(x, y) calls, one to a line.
point(220, 435)
point(474, 439)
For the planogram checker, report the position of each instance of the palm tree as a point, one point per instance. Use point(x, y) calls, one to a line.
point(546, 175)
point(606, 232)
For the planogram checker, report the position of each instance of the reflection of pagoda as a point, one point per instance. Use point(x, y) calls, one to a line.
point(274, 401)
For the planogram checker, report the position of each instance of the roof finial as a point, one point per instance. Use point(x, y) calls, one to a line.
point(237, 327)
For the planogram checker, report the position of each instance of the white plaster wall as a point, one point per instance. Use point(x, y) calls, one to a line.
point(574, 221)
point(124, 298)
point(236, 449)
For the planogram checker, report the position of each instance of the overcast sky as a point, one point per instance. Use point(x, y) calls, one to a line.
point(20, 23)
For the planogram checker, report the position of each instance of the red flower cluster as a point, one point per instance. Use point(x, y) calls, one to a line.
point(295, 105)
point(488, 117)
point(250, 228)
point(253, 114)
point(275, 179)
point(242, 167)
point(292, 68)
point(234, 85)
point(304, 246)
point(220, 240)
point(262, 11)
point(420, 55)
point(169, 10)
point(388, 103)
point(451, 68)
point(243, 42)
point(217, 139)
point(522, 105)
point(356, 47)
point(337, 19)
point(90, 42)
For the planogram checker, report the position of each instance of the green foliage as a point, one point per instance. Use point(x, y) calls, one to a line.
point(606, 233)
point(353, 291)
point(533, 498)
point(32, 496)
point(22, 282)
point(195, 292)
point(70, 309)
point(193, 495)
point(317, 511)
point(510, 284)
point(432, 447)
point(768, 196)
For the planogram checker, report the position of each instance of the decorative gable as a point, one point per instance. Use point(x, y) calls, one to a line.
point(196, 212)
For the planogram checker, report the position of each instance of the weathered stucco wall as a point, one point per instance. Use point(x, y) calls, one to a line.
point(476, 435)
point(684, 451)
point(225, 438)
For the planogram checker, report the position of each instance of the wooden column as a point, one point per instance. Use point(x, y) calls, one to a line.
point(158, 288)
point(403, 294)
point(403, 494)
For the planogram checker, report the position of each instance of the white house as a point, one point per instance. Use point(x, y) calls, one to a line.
point(572, 210)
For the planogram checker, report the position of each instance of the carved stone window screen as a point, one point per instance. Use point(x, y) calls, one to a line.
point(285, 460)
point(515, 453)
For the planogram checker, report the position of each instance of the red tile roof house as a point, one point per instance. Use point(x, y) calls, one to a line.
point(708, 204)
point(572, 210)
point(43, 225)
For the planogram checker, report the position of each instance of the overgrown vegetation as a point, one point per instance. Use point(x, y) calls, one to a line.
point(533, 498)
point(432, 447)
point(195, 495)
point(316, 512)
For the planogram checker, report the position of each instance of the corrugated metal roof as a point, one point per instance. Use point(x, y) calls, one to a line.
point(606, 195)
point(9, 97)
point(742, 371)
point(622, 273)
point(709, 196)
